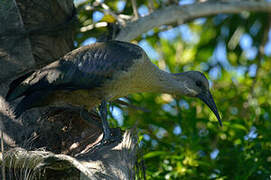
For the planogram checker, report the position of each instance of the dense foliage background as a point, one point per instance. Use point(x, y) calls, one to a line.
point(181, 138)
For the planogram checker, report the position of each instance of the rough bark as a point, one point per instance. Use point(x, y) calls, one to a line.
point(109, 162)
point(29, 38)
point(15, 51)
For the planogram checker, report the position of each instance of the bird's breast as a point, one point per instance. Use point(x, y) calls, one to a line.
point(86, 98)
point(138, 78)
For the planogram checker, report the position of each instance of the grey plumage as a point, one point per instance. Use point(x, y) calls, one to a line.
point(103, 72)
point(85, 68)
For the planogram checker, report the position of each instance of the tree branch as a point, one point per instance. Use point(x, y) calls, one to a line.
point(135, 9)
point(181, 14)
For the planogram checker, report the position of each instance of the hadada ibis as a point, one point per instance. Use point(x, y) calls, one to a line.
point(101, 72)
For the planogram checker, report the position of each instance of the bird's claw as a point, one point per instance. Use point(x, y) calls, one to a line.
point(115, 135)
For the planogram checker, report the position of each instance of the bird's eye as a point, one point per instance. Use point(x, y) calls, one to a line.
point(199, 83)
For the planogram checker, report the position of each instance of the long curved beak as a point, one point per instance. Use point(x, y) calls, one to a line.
point(208, 99)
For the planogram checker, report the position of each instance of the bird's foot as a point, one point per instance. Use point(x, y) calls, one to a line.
point(109, 135)
point(114, 136)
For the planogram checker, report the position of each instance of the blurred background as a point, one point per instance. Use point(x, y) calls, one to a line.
point(181, 138)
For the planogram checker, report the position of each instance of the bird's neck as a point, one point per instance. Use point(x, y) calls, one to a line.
point(161, 81)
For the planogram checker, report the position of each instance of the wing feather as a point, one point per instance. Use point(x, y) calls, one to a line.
point(84, 68)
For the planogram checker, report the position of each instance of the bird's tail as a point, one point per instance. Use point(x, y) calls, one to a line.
point(20, 108)
point(16, 89)
point(34, 99)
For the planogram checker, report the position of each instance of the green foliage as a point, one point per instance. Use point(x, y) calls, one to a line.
point(181, 138)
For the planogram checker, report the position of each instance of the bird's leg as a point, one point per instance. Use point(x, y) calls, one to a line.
point(106, 129)
point(109, 135)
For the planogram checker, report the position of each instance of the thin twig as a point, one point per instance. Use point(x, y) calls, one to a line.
point(135, 9)
point(106, 9)
point(151, 6)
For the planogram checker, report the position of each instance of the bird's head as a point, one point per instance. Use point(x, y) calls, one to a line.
point(195, 84)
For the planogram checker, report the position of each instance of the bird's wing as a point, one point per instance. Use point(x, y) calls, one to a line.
point(100, 62)
point(84, 68)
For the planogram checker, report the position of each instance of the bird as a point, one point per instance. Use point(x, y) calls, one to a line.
point(95, 74)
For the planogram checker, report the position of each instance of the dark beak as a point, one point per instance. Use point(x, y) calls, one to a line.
point(208, 99)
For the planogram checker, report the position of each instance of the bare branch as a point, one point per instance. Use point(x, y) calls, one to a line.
point(107, 10)
point(135, 9)
point(181, 14)
point(151, 5)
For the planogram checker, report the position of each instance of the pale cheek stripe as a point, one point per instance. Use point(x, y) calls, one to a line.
point(192, 91)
